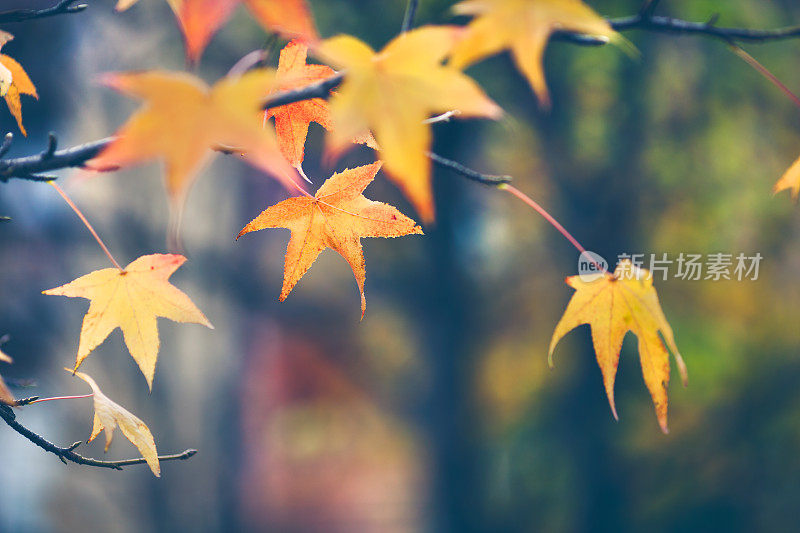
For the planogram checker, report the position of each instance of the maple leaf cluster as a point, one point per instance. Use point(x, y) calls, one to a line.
point(385, 101)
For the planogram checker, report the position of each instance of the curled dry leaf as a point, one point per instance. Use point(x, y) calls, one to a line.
point(132, 300)
point(524, 27)
point(612, 305)
point(292, 120)
point(108, 415)
point(392, 92)
point(337, 217)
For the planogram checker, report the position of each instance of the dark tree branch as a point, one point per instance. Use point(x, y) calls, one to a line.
point(408, 18)
point(63, 7)
point(474, 175)
point(646, 21)
point(320, 89)
point(68, 455)
point(31, 167)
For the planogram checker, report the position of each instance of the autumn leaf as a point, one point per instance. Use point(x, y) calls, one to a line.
point(183, 120)
point(292, 120)
point(790, 181)
point(131, 300)
point(612, 305)
point(392, 92)
point(14, 82)
point(201, 19)
point(337, 217)
point(108, 415)
point(524, 27)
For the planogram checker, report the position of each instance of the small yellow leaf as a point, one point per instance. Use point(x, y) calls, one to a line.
point(108, 415)
point(612, 305)
point(392, 93)
point(183, 120)
point(131, 300)
point(524, 27)
point(790, 181)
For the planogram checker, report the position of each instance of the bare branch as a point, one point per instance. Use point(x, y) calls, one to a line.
point(31, 167)
point(320, 89)
point(63, 7)
point(646, 21)
point(68, 455)
point(474, 175)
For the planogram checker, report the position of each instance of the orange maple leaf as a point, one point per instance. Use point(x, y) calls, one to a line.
point(109, 414)
point(524, 27)
point(201, 19)
point(14, 82)
point(612, 305)
point(336, 217)
point(131, 300)
point(392, 93)
point(183, 120)
point(292, 120)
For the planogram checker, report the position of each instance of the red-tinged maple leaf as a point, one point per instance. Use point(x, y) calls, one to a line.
point(201, 19)
point(337, 217)
point(292, 120)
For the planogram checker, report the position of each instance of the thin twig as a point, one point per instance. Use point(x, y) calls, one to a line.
point(408, 18)
point(67, 454)
point(30, 167)
point(646, 21)
point(320, 89)
point(64, 7)
point(474, 175)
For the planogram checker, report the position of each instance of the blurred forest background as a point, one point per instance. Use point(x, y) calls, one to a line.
point(437, 412)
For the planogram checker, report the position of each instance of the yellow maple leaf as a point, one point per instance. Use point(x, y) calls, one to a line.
point(14, 82)
point(183, 120)
point(108, 415)
point(392, 92)
point(612, 305)
point(337, 217)
point(524, 27)
point(131, 300)
point(790, 181)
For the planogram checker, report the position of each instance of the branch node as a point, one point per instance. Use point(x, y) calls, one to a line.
point(6, 145)
point(52, 144)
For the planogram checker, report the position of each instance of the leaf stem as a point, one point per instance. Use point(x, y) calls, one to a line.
point(764, 71)
point(54, 398)
point(530, 202)
point(87, 224)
